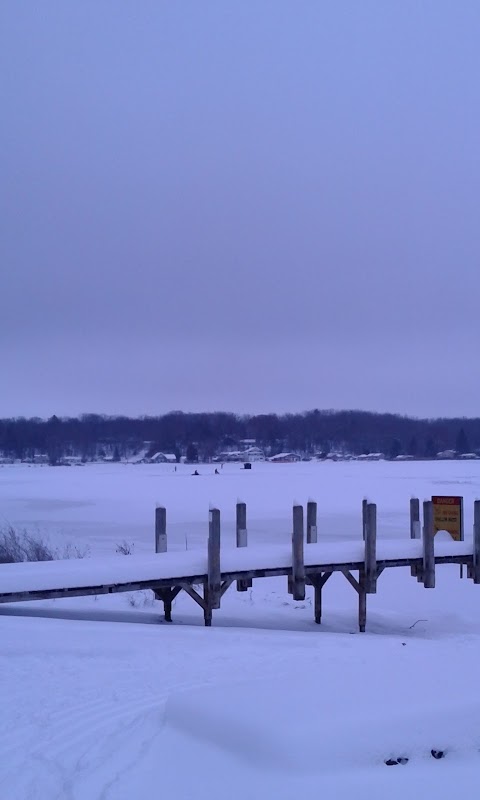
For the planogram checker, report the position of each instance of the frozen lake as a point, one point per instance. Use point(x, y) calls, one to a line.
point(102, 700)
point(101, 505)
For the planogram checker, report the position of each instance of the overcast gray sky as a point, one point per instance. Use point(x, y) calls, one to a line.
point(247, 205)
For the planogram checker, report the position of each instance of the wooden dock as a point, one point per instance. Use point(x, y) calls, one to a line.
point(206, 577)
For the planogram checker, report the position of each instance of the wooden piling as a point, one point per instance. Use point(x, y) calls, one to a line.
point(415, 527)
point(317, 599)
point(364, 516)
point(371, 549)
point(242, 540)
point(160, 529)
point(311, 522)
point(214, 575)
point(428, 576)
point(362, 602)
point(476, 542)
point(298, 565)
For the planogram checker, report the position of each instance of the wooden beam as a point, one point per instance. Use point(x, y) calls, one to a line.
point(318, 583)
point(225, 585)
point(242, 540)
point(428, 574)
point(352, 581)
point(311, 522)
point(167, 596)
point(371, 549)
point(214, 574)
point(193, 594)
point(362, 602)
point(476, 542)
point(364, 516)
point(207, 608)
point(298, 565)
point(160, 529)
point(415, 527)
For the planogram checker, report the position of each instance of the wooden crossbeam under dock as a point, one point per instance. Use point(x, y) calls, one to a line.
point(206, 577)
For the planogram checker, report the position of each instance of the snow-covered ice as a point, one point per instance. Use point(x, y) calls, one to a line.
point(101, 700)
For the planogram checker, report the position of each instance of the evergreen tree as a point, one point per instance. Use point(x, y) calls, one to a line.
point(462, 442)
point(413, 447)
point(192, 453)
point(396, 448)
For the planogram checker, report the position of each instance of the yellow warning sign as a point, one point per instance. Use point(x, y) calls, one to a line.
point(448, 516)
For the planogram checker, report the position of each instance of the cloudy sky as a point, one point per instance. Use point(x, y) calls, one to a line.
point(247, 205)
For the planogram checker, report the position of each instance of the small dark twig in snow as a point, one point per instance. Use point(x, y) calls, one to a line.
point(416, 623)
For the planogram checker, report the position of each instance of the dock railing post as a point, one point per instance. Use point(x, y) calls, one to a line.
point(214, 574)
point(371, 549)
point(242, 541)
point(298, 565)
point(311, 522)
point(476, 541)
point(160, 529)
point(428, 575)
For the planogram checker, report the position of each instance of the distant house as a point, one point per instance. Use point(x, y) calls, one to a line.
point(253, 454)
point(469, 456)
point(163, 458)
point(71, 461)
point(447, 454)
point(285, 458)
point(371, 457)
point(404, 458)
point(230, 455)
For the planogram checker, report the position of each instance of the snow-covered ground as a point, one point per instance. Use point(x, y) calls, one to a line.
point(100, 699)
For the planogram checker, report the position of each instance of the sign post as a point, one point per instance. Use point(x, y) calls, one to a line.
point(448, 516)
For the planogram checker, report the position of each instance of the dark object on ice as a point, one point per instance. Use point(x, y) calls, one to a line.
point(403, 760)
point(247, 465)
point(217, 472)
point(391, 762)
point(196, 472)
point(438, 753)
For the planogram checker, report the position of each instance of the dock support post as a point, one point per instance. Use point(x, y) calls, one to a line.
point(362, 602)
point(370, 578)
point(318, 581)
point(318, 602)
point(311, 522)
point(415, 527)
point(160, 529)
point(214, 575)
point(428, 546)
point(364, 516)
point(476, 541)
point(242, 541)
point(167, 596)
point(298, 565)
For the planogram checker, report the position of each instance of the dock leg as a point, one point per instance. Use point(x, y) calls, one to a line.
point(362, 603)
point(167, 606)
point(318, 603)
point(207, 608)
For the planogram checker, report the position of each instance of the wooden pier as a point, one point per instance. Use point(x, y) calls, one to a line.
point(206, 578)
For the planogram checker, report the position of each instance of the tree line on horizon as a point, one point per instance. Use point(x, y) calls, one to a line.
point(202, 435)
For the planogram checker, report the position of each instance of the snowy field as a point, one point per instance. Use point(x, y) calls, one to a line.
point(103, 701)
